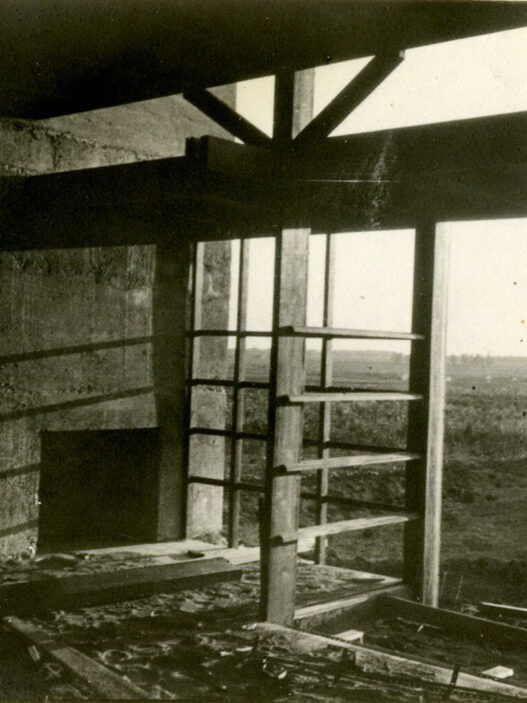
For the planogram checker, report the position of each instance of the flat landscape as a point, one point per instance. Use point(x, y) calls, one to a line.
point(485, 475)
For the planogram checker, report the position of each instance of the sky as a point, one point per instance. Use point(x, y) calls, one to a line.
point(488, 265)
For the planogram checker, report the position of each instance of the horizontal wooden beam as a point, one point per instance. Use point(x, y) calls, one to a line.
point(465, 169)
point(237, 486)
point(341, 333)
point(354, 525)
point(350, 97)
point(501, 610)
point(470, 169)
point(490, 144)
point(351, 397)
point(356, 461)
point(458, 623)
point(83, 590)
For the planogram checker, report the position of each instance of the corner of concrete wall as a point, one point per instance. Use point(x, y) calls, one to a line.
point(58, 307)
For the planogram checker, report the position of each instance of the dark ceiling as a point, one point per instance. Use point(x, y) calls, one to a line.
point(66, 56)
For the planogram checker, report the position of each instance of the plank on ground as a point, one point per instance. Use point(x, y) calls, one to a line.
point(353, 611)
point(376, 660)
point(509, 611)
point(82, 590)
point(105, 683)
point(452, 621)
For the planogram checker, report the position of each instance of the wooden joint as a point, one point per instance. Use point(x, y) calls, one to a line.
point(226, 117)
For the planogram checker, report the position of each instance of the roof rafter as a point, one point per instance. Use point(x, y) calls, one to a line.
point(350, 97)
point(226, 117)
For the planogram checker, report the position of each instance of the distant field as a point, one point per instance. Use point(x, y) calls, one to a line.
point(485, 481)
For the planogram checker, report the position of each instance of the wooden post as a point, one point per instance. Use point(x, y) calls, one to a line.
point(293, 105)
point(422, 538)
point(208, 404)
point(326, 379)
point(285, 428)
point(238, 404)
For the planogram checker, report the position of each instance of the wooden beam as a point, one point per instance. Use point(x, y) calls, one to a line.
point(486, 143)
point(350, 97)
point(283, 117)
point(457, 623)
point(350, 397)
point(238, 400)
point(227, 118)
point(281, 509)
point(502, 610)
point(104, 682)
point(328, 332)
point(376, 660)
point(358, 607)
point(335, 528)
point(83, 590)
point(426, 419)
point(470, 169)
point(326, 380)
point(285, 427)
point(467, 169)
point(353, 461)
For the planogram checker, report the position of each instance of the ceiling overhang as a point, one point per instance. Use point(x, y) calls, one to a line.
point(66, 56)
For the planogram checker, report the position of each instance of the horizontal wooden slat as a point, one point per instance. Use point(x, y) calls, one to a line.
point(209, 432)
point(334, 528)
point(229, 333)
point(351, 446)
point(335, 332)
point(452, 621)
point(344, 462)
point(105, 683)
point(351, 396)
point(500, 609)
point(238, 486)
point(354, 504)
point(229, 383)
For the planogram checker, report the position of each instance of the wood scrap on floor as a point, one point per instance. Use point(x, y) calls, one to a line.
point(501, 610)
point(105, 683)
point(453, 621)
point(499, 672)
point(81, 590)
point(374, 659)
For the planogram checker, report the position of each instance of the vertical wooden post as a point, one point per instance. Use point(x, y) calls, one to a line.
point(422, 538)
point(326, 379)
point(279, 561)
point(238, 404)
point(293, 106)
point(208, 405)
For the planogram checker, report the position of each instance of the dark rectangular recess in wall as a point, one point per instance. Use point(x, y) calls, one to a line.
point(98, 488)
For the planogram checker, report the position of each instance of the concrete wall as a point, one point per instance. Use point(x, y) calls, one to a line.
point(53, 301)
